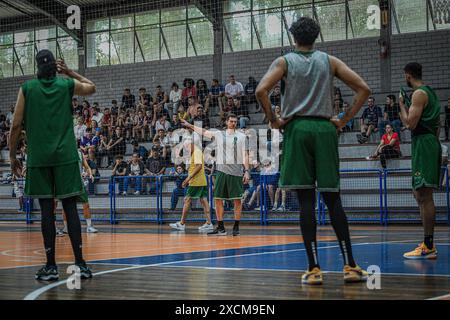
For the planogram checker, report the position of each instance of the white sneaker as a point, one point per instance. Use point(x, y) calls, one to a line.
point(91, 229)
point(206, 227)
point(281, 209)
point(124, 194)
point(178, 226)
point(257, 209)
point(64, 230)
point(137, 193)
point(275, 208)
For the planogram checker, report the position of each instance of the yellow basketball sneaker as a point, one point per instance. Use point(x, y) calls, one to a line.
point(421, 253)
point(313, 277)
point(355, 274)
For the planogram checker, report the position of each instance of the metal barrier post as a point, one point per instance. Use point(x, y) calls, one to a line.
point(380, 174)
point(159, 195)
point(385, 175)
point(262, 206)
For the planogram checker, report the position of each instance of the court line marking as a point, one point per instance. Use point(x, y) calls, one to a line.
point(444, 297)
point(35, 294)
point(323, 271)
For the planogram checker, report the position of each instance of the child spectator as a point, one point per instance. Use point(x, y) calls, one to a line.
point(119, 170)
point(179, 176)
point(174, 99)
point(135, 171)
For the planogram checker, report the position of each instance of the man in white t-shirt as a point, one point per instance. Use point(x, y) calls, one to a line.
point(233, 88)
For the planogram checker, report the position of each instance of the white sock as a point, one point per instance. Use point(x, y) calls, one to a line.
point(89, 223)
point(65, 225)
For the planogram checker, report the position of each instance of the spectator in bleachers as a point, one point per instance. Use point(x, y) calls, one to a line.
point(389, 147)
point(140, 150)
point(102, 150)
point(167, 141)
point(116, 145)
point(216, 95)
point(349, 126)
point(97, 115)
point(176, 124)
point(447, 119)
point(92, 163)
point(106, 121)
point(114, 107)
point(9, 116)
point(282, 207)
point(275, 97)
point(241, 111)
point(202, 94)
point(182, 113)
point(128, 126)
point(391, 116)
point(249, 91)
point(201, 117)
point(139, 127)
point(80, 129)
point(337, 93)
point(18, 181)
point(174, 99)
point(135, 171)
point(128, 100)
point(193, 106)
point(255, 188)
point(94, 126)
point(77, 108)
point(153, 167)
point(161, 98)
point(234, 89)
point(3, 132)
point(119, 170)
point(121, 119)
point(272, 178)
point(179, 176)
point(189, 91)
point(145, 99)
point(87, 118)
point(87, 142)
point(337, 106)
point(162, 123)
point(228, 106)
point(369, 120)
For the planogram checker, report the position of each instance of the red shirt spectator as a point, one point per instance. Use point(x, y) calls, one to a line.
point(386, 140)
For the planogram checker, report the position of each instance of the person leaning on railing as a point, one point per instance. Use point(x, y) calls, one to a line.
point(119, 170)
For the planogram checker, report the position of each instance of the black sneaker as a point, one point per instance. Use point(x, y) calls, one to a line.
point(47, 273)
point(85, 272)
point(217, 232)
point(236, 231)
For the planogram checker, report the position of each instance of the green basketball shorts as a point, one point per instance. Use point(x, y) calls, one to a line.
point(310, 156)
point(426, 161)
point(228, 187)
point(197, 192)
point(58, 182)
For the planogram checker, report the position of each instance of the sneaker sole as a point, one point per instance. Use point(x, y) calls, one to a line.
point(427, 257)
point(355, 279)
point(218, 234)
point(47, 278)
point(312, 283)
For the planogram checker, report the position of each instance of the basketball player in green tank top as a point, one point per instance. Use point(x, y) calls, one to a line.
point(421, 115)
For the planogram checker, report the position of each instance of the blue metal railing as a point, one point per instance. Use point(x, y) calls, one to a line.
point(386, 192)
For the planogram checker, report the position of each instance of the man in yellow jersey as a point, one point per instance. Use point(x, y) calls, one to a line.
point(421, 115)
point(197, 188)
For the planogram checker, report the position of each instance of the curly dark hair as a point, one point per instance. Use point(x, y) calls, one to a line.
point(305, 31)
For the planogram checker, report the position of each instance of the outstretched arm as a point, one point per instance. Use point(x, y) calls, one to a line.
point(275, 73)
point(198, 130)
point(356, 83)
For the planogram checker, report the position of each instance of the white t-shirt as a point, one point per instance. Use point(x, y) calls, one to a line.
point(233, 90)
point(175, 96)
point(164, 126)
point(135, 169)
point(80, 131)
point(98, 118)
point(444, 150)
point(231, 148)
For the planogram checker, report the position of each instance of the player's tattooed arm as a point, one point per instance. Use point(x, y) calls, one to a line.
point(274, 75)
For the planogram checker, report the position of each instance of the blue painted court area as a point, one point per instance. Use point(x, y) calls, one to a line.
point(388, 256)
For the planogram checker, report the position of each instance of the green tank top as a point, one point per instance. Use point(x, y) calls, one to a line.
point(48, 122)
point(430, 119)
